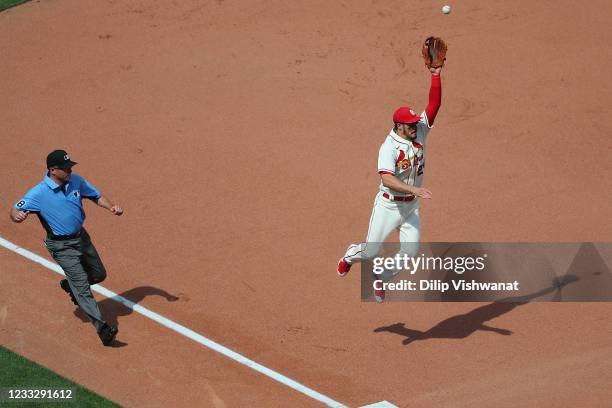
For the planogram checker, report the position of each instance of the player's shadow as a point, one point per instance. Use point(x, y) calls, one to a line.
point(461, 326)
point(112, 309)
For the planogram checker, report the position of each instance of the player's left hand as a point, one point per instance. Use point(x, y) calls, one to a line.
point(117, 210)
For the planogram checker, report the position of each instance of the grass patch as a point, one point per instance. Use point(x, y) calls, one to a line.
point(4, 4)
point(19, 372)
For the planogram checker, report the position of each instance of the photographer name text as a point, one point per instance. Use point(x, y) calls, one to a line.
point(441, 286)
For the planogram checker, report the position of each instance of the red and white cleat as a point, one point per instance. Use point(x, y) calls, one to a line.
point(379, 296)
point(343, 267)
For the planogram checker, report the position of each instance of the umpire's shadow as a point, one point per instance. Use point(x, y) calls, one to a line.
point(112, 309)
point(461, 326)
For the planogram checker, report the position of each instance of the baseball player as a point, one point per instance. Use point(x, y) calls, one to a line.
point(401, 164)
point(57, 201)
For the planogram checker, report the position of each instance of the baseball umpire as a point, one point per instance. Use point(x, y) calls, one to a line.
point(57, 201)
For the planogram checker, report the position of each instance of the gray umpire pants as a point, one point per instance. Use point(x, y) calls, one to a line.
point(82, 265)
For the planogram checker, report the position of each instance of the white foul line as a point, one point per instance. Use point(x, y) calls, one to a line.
point(206, 342)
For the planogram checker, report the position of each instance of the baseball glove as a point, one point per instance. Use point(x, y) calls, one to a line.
point(434, 52)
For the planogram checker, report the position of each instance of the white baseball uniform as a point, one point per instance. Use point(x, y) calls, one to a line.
point(406, 160)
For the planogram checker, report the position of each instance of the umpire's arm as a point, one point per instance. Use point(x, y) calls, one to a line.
point(106, 203)
point(18, 215)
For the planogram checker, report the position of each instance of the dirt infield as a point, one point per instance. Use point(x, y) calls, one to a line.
point(241, 139)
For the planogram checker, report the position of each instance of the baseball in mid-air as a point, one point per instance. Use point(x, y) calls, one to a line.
point(446, 9)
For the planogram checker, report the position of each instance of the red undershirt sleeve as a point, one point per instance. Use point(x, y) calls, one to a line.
point(435, 99)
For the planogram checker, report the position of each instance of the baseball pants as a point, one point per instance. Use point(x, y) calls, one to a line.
point(388, 216)
point(82, 265)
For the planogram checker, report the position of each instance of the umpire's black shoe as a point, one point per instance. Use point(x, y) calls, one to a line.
point(66, 287)
point(107, 333)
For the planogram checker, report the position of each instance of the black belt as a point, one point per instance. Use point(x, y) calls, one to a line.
point(65, 237)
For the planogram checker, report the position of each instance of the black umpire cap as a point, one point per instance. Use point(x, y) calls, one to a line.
point(59, 158)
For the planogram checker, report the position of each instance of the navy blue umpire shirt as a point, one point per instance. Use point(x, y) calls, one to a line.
point(61, 212)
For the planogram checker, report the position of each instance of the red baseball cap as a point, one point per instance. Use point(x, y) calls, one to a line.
point(405, 115)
